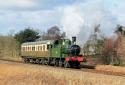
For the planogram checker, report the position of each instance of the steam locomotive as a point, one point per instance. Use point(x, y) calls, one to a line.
point(61, 52)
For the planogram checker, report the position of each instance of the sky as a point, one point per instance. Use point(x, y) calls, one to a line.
point(39, 14)
point(75, 17)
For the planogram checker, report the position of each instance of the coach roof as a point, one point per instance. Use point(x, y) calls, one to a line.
point(39, 42)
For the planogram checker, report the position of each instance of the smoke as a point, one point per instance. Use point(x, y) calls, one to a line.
point(80, 19)
point(72, 21)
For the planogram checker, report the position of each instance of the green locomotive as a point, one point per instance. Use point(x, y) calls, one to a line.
point(61, 52)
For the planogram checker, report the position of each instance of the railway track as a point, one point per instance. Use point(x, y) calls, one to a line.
point(11, 60)
point(85, 69)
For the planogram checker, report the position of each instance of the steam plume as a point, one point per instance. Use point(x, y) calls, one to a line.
point(80, 19)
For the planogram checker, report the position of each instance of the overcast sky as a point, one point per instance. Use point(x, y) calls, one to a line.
point(42, 14)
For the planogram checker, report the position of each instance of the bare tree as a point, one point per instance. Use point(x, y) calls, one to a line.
point(53, 33)
point(8, 47)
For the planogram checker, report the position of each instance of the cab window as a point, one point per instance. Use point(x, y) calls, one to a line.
point(56, 43)
point(49, 46)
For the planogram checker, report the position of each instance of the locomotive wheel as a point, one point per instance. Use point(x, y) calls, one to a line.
point(66, 64)
point(37, 61)
point(60, 63)
point(31, 60)
point(42, 61)
point(77, 66)
point(57, 63)
point(25, 60)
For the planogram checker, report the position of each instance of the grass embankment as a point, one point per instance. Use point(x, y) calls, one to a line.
point(25, 74)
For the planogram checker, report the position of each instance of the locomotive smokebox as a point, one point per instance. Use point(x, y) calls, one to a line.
point(73, 40)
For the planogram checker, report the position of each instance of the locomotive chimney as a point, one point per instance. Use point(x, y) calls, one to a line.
point(73, 40)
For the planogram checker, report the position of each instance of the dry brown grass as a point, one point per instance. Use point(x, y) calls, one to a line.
point(109, 68)
point(25, 74)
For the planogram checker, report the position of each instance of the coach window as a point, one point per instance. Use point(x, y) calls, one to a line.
point(43, 47)
point(23, 48)
point(36, 48)
point(28, 48)
point(33, 48)
point(40, 48)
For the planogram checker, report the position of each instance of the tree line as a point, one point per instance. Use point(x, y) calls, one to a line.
point(30, 35)
point(10, 44)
